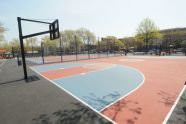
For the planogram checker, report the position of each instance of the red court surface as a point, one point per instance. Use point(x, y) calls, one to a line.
point(54, 74)
point(149, 104)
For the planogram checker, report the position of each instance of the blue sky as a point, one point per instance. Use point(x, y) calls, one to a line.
point(119, 18)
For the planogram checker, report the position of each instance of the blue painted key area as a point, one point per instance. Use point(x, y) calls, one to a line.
point(101, 88)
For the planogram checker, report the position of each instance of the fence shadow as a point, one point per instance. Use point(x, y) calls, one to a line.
point(78, 114)
point(166, 98)
point(118, 107)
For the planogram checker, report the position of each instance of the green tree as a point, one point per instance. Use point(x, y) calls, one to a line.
point(6, 46)
point(114, 43)
point(146, 31)
point(15, 44)
point(84, 33)
point(183, 43)
point(50, 46)
point(175, 38)
point(49, 43)
point(68, 39)
point(30, 43)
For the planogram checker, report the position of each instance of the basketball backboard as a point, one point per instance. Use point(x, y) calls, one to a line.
point(54, 30)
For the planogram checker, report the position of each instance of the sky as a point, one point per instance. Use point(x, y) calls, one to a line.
point(118, 18)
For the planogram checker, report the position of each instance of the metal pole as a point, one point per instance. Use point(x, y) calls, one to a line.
point(122, 53)
point(88, 48)
point(98, 48)
point(30, 20)
point(61, 52)
point(42, 53)
point(76, 48)
point(160, 50)
point(169, 49)
point(32, 51)
point(114, 47)
point(13, 53)
point(32, 47)
point(22, 48)
point(107, 47)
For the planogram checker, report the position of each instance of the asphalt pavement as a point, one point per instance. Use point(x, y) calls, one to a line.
point(38, 101)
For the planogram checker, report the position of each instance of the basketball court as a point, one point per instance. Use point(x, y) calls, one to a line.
point(126, 89)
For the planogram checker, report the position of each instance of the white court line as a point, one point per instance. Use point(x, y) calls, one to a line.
point(113, 65)
point(57, 68)
point(157, 57)
point(129, 92)
point(83, 73)
point(2, 64)
point(173, 107)
point(131, 60)
point(75, 97)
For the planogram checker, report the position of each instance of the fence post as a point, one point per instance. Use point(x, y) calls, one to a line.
point(107, 48)
point(114, 47)
point(13, 52)
point(98, 48)
point(122, 53)
point(32, 51)
point(88, 48)
point(42, 53)
point(76, 48)
point(61, 51)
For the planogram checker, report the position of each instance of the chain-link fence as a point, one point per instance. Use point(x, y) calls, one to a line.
point(75, 50)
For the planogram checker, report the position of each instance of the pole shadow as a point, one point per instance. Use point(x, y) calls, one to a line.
point(13, 81)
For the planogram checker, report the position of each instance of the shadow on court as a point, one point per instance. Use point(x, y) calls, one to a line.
point(79, 114)
point(39, 102)
point(166, 98)
point(178, 116)
point(126, 105)
point(9, 82)
point(30, 79)
point(100, 103)
point(131, 106)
